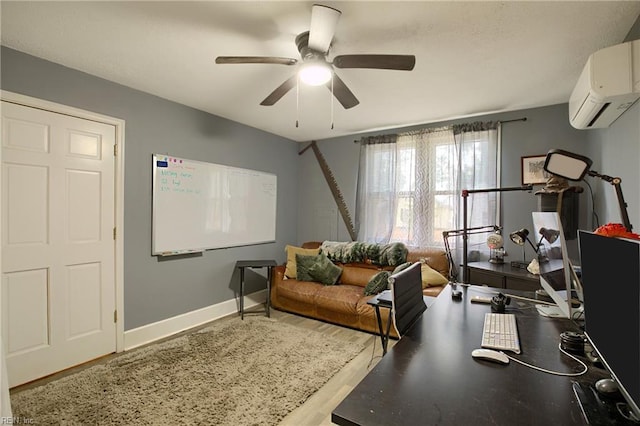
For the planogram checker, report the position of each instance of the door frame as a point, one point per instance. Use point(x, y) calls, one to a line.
point(119, 124)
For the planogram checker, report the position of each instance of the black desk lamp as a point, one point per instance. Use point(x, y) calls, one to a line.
point(519, 237)
point(550, 235)
point(573, 166)
point(453, 270)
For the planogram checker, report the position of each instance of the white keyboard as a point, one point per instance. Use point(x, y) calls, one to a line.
point(500, 332)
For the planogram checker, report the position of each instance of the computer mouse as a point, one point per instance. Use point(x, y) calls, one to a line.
point(490, 355)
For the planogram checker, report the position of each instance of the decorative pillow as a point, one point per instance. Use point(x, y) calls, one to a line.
point(401, 267)
point(377, 283)
point(290, 270)
point(393, 254)
point(317, 268)
point(431, 277)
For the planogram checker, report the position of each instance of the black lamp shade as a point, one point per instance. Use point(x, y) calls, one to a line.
point(551, 235)
point(520, 236)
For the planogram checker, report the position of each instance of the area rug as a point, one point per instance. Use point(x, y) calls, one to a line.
point(233, 372)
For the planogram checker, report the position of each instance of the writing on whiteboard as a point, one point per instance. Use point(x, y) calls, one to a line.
point(199, 206)
point(178, 179)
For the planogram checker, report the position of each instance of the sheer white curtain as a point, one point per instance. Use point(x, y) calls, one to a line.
point(400, 194)
point(410, 184)
point(477, 148)
point(376, 196)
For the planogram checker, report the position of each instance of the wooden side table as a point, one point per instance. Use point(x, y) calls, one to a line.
point(255, 264)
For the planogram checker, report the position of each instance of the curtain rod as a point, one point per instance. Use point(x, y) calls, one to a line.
point(515, 119)
point(501, 122)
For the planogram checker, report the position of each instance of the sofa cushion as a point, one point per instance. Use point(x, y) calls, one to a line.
point(435, 257)
point(340, 299)
point(297, 295)
point(377, 283)
point(357, 275)
point(291, 270)
point(317, 268)
point(431, 277)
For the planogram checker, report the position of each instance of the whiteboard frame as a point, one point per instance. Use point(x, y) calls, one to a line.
point(155, 252)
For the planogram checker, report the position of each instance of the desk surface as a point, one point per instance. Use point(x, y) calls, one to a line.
point(429, 376)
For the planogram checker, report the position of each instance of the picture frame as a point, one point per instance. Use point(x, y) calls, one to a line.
point(532, 170)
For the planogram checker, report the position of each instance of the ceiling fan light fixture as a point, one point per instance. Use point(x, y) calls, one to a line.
point(315, 73)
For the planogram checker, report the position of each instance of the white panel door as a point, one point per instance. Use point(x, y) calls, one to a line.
point(58, 248)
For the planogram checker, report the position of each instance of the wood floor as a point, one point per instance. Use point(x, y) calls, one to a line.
point(317, 409)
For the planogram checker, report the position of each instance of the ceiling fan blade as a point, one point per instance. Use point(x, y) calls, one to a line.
point(324, 20)
point(255, 60)
point(280, 91)
point(342, 93)
point(386, 62)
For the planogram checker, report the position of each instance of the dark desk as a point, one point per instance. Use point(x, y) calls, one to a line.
point(502, 275)
point(430, 378)
point(255, 264)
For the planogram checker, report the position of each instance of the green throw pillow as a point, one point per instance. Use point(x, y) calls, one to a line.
point(317, 268)
point(377, 283)
point(401, 267)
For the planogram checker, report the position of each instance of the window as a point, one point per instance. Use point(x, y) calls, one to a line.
point(409, 186)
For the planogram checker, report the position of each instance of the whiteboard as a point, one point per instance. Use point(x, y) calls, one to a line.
point(199, 206)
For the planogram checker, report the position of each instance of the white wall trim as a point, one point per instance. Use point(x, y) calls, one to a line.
point(151, 332)
point(29, 101)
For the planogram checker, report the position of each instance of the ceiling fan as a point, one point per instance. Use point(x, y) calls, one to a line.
point(313, 46)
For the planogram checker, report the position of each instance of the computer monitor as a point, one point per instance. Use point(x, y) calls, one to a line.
point(557, 276)
point(611, 280)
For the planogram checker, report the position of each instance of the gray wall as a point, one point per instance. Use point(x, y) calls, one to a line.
point(153, 289)
point(615, 151)
point(156, 290)
point(545, 128)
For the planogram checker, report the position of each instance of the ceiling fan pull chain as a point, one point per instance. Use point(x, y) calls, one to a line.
point(332, 101)
point(297, 100)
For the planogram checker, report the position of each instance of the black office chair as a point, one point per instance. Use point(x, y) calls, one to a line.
point(406, 296)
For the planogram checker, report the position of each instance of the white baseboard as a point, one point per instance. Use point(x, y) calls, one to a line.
point(167, 327)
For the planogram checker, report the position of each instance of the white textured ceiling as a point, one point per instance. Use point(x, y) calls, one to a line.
point(471, 57)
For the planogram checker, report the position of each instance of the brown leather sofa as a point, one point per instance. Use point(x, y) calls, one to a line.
point(345, 303)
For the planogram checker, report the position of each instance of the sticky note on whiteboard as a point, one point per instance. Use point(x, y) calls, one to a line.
point(162, 163)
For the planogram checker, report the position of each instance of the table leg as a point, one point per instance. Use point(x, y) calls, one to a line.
point(386, 335)
point(268, 304)
point(242, 293)
point(383, 337)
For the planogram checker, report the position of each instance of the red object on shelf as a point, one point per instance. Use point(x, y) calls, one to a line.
point(616, 230)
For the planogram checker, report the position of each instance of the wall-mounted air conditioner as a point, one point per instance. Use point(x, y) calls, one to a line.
point(608, 86)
